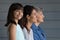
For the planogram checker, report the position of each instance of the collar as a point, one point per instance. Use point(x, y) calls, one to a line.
point(34, 27)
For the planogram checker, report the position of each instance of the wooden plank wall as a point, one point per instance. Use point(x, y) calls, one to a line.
point(51, 12)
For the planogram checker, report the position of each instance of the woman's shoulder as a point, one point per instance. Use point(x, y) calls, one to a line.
point(24, 29)
point(11, 27)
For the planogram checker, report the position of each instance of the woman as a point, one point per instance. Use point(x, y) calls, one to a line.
point(28, 18)
point(38, 32)
point(15, 13)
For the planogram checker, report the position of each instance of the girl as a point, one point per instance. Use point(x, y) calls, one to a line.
point(28, 18)
point(15, 13)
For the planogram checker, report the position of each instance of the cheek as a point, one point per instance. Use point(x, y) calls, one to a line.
point(34, 18)
point(17, 16)
point(21, 15)
point(40, 18)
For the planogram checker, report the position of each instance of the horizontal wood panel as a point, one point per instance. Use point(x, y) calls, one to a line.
point(51, 12)
point(49, 16)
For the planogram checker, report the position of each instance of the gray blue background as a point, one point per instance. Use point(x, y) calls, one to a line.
point(51, 11)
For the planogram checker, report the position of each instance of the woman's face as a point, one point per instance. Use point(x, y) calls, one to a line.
point(40, 16)
point(33, 16)
point(18, 14)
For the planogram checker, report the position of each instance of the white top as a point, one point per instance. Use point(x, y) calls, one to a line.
point(19, 33)
point(28, 36)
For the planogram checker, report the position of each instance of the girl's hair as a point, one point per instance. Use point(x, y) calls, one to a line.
point(26, 11)
point(10, 16)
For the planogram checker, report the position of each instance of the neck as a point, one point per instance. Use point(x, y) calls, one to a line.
point(16, 21)
point(37, 24)
point(29, 25)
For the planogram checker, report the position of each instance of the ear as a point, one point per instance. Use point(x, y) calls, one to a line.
point(28, 17)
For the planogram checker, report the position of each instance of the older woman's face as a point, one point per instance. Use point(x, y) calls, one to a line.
point(33, 16)
point(40, 16)
point(18, 14)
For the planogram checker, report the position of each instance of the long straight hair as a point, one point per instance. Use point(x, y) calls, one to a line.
point(10, 16)
point(26, 11)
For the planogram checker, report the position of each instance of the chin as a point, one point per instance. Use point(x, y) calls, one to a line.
point(35, 21)
point(41, 21)
point(19, 18)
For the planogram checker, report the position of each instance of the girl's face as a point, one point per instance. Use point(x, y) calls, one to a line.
point(18, 14)
point(33, 15)
point(40, 16)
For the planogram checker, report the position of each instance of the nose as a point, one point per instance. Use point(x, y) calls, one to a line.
point(21, 14)
point(36, 14)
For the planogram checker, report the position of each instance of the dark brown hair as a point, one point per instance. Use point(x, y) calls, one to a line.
point(26, 11)
point(12, 8)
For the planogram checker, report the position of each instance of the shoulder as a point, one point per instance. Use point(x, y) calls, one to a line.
point(24, 29)
point(31, 31)
point(12, 31)
point(12, 27)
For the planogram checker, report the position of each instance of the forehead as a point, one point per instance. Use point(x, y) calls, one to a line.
point(34, 11)
point(18, 10)
point(40, 11)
